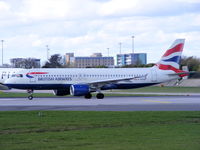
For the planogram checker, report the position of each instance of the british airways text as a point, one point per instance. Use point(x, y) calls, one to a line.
point(54, 79)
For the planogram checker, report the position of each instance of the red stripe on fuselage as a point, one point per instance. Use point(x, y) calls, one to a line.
point(177, 48)
point(38, 73)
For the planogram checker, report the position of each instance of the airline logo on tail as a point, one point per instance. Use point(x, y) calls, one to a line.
point(30, 74)
point(171, 59)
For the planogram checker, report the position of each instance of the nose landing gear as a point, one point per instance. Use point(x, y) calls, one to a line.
point(30, 97)
point(30, 92)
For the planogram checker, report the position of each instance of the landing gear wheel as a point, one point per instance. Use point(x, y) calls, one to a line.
point(30, 91)
point(88, 96)
point(100, 96)
point(30, 97)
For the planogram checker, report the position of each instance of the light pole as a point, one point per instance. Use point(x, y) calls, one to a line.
point(132, 44)
point(47, 51)
point(120, 47)
point(108, 51)
point(2, 51)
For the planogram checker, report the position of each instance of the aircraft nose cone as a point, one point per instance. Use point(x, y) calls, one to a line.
point(7, 81)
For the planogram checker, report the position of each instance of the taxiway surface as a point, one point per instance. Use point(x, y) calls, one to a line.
point(135, 103)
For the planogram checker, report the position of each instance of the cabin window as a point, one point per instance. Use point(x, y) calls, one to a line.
point(17, 75)
point(20, 75)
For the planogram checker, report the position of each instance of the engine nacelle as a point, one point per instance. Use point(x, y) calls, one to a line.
point(79, 89)
point(61, 92)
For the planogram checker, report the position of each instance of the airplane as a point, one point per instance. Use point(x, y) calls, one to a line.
point(84, 81)
point(6, 73)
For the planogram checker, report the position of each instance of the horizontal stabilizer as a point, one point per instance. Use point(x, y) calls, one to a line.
point(182, 74)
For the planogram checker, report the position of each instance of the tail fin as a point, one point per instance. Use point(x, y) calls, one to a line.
point(171, 59)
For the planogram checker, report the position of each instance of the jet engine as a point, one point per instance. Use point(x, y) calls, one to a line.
point(61, 92)
point(79, 89)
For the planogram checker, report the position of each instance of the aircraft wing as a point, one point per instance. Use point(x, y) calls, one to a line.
point(100, 83)
point(110, 80)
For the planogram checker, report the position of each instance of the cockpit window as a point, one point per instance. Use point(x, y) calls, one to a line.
point(17, 75)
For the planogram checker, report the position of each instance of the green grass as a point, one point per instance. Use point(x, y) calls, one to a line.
point(165, 89)
point(11, 94)
point(23, 95)
point(134, 92)
point(61, 130)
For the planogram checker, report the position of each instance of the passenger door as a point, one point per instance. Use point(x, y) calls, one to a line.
point(32, 77)
point(153, 75)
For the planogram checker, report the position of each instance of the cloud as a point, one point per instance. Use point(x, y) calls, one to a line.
point(57, 9)
point(148, 8)
point(45, 9)
point(93, 26)
point(4, 6)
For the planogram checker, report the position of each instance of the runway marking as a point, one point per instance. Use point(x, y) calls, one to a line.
point(163, 102)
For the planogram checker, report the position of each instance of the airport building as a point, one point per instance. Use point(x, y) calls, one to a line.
point(94, 60)
point(68, 58)
point(131, 59)
point(25, 63)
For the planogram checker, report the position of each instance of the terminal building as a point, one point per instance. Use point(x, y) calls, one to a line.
point(94, 60)
point(131, 59)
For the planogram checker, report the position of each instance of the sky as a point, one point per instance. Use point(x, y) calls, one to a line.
point(88, 26)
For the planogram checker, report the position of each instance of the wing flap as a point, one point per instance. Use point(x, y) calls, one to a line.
point(107, 81)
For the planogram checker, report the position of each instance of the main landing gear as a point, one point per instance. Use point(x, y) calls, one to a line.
point(30, 92)
point(98, 96)
point(88, 96)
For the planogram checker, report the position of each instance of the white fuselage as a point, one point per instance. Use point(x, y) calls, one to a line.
point(109, 78)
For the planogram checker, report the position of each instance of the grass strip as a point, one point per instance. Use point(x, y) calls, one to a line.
point(79, 130)
point(164, 89)
point(151, 89)
point(40, 95)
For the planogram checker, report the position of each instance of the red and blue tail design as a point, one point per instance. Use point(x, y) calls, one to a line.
point(171, 59)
